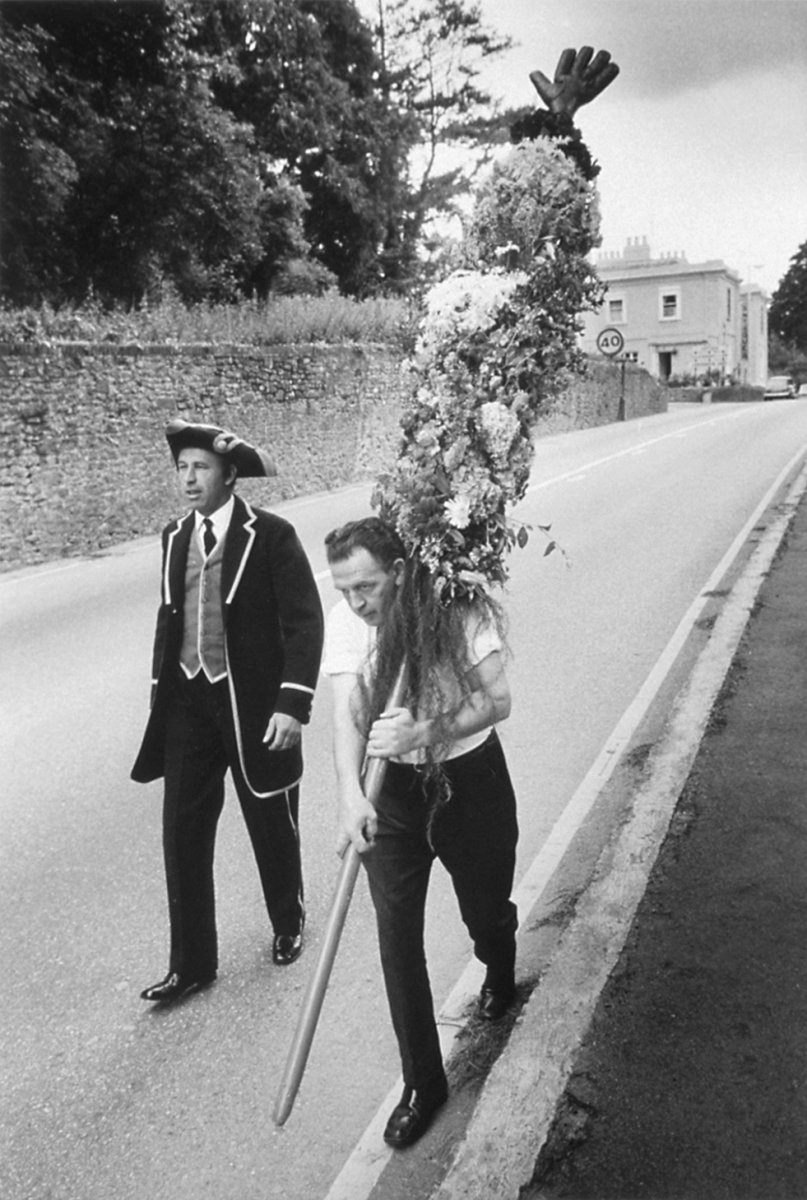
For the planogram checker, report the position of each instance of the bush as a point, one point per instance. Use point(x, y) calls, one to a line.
point(736, 393)
point(304, 277)
point(329, 318)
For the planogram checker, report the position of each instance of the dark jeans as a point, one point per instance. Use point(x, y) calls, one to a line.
point(474, 836)
point(200, 747)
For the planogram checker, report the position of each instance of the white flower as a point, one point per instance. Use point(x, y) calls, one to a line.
point(466, 302)
point(458, 511)
point(501, 252)
point(499, 427)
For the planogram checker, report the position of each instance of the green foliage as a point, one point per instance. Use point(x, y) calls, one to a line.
point(304, 76)
point(787, 316)
point(38, 174)
point(786, 359)
point(210, 143)
point(330, 318)
point(497, 340)
point(157, 182)
point(535, 199)
point(228, 148)
point(432, 53)
point(735, 394)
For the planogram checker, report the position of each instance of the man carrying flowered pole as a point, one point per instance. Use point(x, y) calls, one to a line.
point(415, 648)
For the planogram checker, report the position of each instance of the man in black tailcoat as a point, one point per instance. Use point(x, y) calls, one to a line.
point(236, 657)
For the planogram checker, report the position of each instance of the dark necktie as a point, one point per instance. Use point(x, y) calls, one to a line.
point(209, 539)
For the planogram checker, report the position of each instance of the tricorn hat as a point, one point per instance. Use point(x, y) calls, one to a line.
point(248, 460)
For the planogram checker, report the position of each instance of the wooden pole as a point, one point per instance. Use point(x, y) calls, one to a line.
point(315, 994)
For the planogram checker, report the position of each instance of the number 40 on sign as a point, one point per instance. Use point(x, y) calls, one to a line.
point(610, 341)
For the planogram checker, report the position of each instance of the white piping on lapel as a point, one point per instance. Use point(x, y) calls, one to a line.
point(248, 525)
point(169, 552)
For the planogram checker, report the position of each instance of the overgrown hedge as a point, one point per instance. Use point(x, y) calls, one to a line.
point(735, 394)
point(284, 320)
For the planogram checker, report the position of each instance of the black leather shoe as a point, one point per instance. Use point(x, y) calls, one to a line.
point(175, 986)
point(286, 948)
point(493, 1004)
point(413, 1114)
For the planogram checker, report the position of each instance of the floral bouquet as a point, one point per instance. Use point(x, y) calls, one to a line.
point(498, 340)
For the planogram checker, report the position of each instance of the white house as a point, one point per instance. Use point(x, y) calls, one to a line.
point(682, 321)
point(753, 334)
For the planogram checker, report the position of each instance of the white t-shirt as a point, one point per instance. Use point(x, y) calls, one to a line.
point(349, 647)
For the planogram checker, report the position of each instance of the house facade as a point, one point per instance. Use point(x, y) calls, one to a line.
point(684, 322)
point(753, 335)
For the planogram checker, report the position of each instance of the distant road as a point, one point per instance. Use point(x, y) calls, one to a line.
point(102, 1097)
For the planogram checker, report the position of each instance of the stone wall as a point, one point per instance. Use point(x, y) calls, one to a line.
point(83, 461)
point(594, 399)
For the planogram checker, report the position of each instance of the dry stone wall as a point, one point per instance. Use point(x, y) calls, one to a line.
point(595, 398)
point(84, 464)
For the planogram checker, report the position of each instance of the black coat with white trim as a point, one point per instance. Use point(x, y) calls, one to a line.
point(273, 631)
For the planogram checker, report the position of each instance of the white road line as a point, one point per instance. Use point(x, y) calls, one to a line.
point(33, 575)
point(369, 1157)
point(575, 473)
point(517, 1106)
point(545, 863)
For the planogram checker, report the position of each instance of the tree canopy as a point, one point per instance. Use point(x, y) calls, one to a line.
point(225, 147)
point(432, 55)
point(787, 316)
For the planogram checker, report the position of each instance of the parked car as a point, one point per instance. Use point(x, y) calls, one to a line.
point(802, 392)
point(779, 387)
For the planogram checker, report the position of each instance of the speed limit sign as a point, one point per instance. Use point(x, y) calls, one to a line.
point(610, 341)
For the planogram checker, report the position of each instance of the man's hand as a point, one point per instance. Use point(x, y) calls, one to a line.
point(577, 80)
point(396, 732)
point(357, 822)
point(282, 733)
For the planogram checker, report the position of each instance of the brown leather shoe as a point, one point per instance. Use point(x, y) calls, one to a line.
point(413, 1114)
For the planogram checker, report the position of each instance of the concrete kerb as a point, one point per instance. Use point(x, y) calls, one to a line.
point(515, 1111)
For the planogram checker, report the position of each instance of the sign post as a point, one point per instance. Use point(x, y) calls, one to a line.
point(611, 343)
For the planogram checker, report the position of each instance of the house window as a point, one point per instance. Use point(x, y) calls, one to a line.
point(616, 310)
point(728, 304)
point(669, 304)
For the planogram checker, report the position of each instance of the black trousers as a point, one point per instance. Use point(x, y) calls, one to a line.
point(474, 836)
point(200, 747)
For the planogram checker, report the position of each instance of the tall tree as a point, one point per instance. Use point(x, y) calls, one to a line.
point(37, 173)
point(306, 78)
point(214, 144)
point(787, 316)
point(432, 55)
point(159, 184)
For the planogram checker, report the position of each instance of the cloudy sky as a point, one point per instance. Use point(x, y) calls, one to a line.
point(702, 138)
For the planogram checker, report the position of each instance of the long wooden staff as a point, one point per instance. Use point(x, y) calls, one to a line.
point(312, 1002)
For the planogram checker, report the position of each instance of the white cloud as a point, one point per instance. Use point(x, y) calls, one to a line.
point(702, 138)
point(662, 46)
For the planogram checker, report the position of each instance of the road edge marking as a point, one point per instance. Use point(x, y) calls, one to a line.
point(515, 1111)
point(370, 1156)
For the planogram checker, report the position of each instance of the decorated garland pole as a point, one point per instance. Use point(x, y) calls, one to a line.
point(499, 340)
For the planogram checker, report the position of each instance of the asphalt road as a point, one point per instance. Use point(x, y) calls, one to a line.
point(103, 1096)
